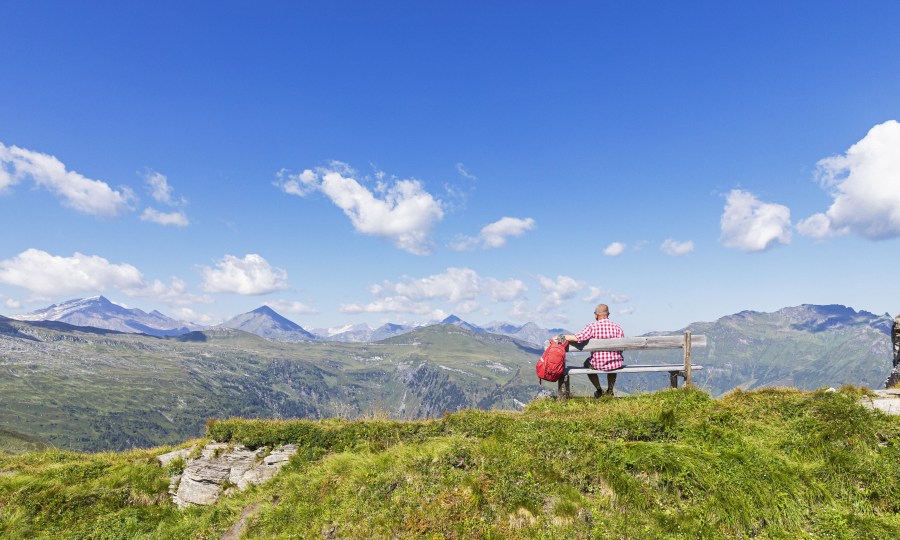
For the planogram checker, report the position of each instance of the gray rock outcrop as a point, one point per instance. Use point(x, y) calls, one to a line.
point(221, 467)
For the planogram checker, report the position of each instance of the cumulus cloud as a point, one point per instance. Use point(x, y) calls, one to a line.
point(675, 248)
point(82, 194)
point(12, 303)
point(159, 187)
point(188, 314)
point(161, 191)
point(521, 311)
point(399, 210)
point(287, 306)
point(176, 218)
point(614, 250)
point(174, 294)
point(49, 275)
point(495, 235)
point(300, 184)
point(460, 286)
point(456, 285)
point(594, 294)
point(558, 291)
point(251, 275)
point(865, 185)
point(751, 225)
point(390, 304)
point(467, 307)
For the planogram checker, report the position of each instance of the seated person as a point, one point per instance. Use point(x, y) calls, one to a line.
point(601, 328)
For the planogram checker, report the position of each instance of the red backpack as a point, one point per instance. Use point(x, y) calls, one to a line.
point(552, 363)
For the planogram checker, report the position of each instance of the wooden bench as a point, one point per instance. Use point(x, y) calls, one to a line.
point(683, 370)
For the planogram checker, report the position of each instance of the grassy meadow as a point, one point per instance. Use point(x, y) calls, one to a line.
point(774, 463)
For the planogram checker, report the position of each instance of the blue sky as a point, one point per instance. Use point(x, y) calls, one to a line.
point(349, 162)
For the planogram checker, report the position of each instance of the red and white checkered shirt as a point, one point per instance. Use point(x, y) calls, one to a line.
point(603, 329)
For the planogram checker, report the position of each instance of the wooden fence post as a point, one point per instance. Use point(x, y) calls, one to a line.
point(687, 359)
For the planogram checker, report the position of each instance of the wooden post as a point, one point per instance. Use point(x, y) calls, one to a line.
point(687, 359)
point(562, 389)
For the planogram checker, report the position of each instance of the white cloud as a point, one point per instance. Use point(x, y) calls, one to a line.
point(504, 291)
point(464, 243)
point(12, 303)
point(287, 306)
point(594, 294)
point(248, 276)
point(521, 311)
point(188, 314)
point(676, 249)
point(455, 285)
point(162, 192)
point(159, 187)
point(614, 250)
point(460, 286)
point(865, 185)
point(300, 184)
point(494, 235)
point(558, 291)
point(175, 294)
point(751, 225)
point(77, 192)
point(620, 298)
point(399, 210)
point(49, 275)
point(390, 304)
point(464, 172)
point(627, 311)
point(467, 307)
point(165, 218)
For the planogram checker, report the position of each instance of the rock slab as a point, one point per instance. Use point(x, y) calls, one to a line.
point(220, 467)
point(887, 401)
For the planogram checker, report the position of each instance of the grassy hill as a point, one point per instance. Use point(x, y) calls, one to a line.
point(86, 389)
point(17, 443)
point(774, 463)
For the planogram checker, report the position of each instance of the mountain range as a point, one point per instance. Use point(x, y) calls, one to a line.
point(88, 388)
point(99, 312)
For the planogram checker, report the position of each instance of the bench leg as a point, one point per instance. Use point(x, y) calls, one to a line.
point(673, 379)
point(562, 391)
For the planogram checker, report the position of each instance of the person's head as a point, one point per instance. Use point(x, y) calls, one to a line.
point(601, 311)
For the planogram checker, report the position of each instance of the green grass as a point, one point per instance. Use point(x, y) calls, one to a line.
point(17, 443)
point(775, 463)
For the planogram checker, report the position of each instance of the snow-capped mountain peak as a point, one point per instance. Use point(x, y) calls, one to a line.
point(100, 312)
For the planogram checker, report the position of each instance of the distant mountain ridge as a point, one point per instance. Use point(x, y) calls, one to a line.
point(806, 347)
point(99, 312)
point(266, 322)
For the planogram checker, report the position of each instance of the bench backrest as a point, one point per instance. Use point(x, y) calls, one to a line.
point(638, 343)
point(686, 342)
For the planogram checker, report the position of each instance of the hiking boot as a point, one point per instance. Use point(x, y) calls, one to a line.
point(609, 393)
point(598, 393)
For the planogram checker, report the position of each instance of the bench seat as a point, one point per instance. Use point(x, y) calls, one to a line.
point(634, 368)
